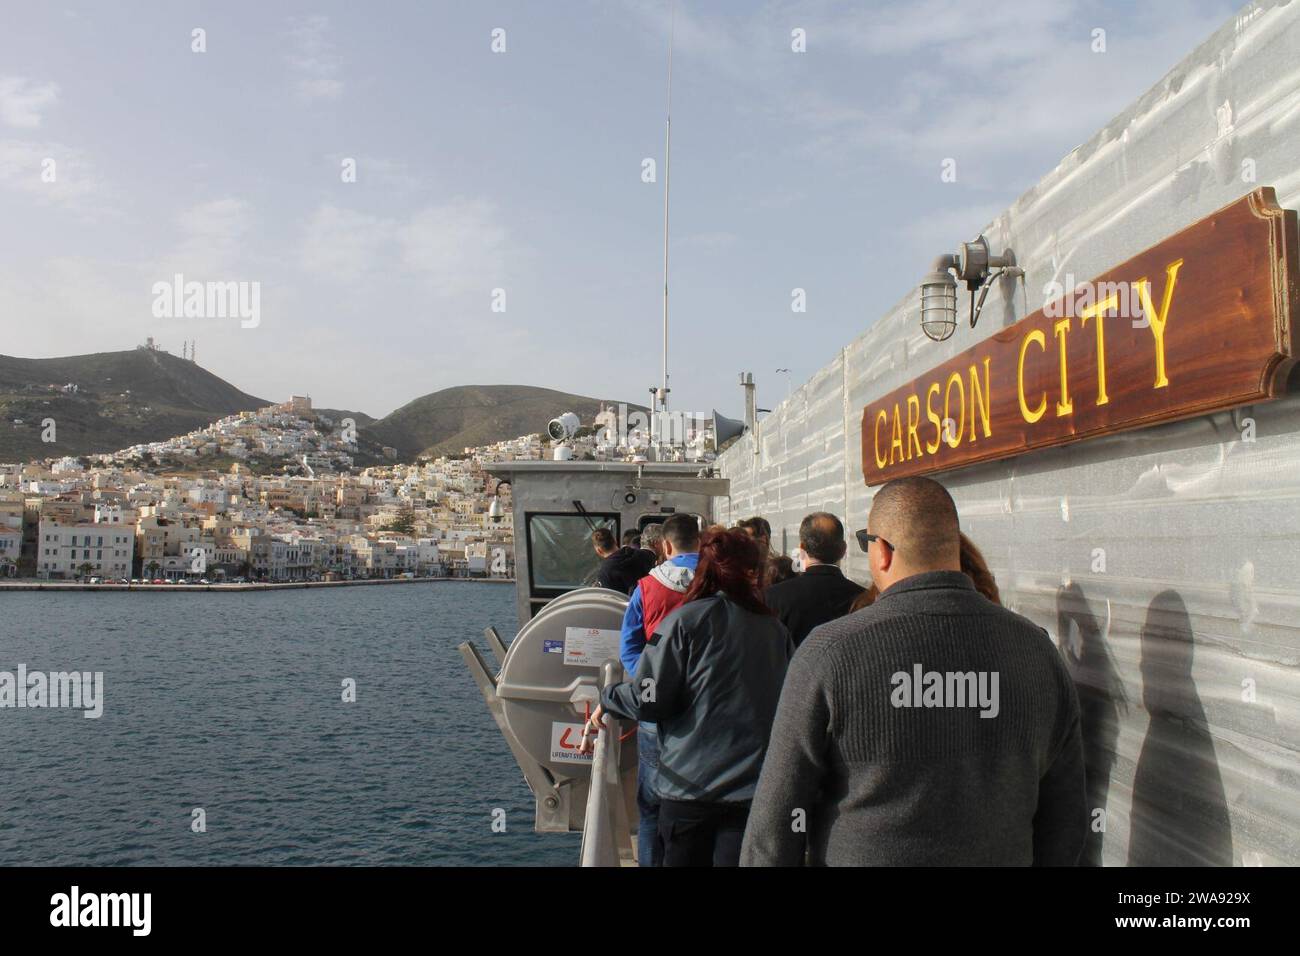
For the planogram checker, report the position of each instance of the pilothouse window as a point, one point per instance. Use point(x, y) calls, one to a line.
point(560, 555)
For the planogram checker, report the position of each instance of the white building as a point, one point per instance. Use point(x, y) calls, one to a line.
point(114, 514)
point(427, 559)
point(476, 557)
point(11, 545)
point(64, 551)
point(208, 494)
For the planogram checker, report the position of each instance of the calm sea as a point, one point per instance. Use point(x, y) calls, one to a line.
point(232, 703)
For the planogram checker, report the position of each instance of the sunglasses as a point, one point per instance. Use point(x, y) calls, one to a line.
point(865, 538)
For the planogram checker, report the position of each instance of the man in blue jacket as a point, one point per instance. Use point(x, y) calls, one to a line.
point(656, 595)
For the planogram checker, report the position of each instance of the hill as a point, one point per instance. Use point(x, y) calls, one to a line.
point(449, 420)
point(119, 399)
point(337, 415)
point(111, 400)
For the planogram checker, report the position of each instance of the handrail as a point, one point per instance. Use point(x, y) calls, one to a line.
point(604, 841)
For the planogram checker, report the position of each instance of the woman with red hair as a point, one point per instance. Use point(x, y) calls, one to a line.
point(710, 676)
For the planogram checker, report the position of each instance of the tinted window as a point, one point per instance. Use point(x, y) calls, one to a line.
point(560, 555)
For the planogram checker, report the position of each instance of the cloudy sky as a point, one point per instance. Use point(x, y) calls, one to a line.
point(522, 171)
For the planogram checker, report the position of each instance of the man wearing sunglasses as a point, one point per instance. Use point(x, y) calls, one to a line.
point(932, 728)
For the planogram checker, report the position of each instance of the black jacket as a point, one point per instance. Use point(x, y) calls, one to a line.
point(818, 595)
point(711, 677)
point(624, 568)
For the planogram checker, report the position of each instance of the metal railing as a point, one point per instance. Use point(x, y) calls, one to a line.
point(606, 833)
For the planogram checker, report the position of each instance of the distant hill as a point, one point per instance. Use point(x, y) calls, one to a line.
point(121, 399)
point(452, 419)
point(336, 415)
point(129, 398)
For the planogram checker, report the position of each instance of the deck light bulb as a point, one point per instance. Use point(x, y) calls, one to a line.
point(938, 305)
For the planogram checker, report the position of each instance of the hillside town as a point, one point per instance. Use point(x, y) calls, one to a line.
point(274, 496)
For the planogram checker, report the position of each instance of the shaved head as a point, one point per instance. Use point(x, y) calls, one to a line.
point(918, 518)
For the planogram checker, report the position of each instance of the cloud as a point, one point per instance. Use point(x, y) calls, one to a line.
point(48, 172)
point(21, 101)
point(313, 59)
point(921, 80)
point(344, 245)
point(945, 34)
point(68, 305)
point(378, 171)
point(457, 248)
point(211, 239)
point(712, 41)
point(939, 231)
point(217, 219)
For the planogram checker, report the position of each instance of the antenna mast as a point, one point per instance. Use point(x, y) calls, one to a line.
point(668, 144)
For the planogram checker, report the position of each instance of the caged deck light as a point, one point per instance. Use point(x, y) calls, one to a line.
point(973, 264)
point(496, 510)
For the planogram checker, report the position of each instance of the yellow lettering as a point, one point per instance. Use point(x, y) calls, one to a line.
point(880, 462)
point(1030, 416)
point(955, 378)
point(933, 416)
point(1099, 310)
point(1063, 405)
point(981, 401)
point(913, 419)
point(1159, 320)
point(896, 441)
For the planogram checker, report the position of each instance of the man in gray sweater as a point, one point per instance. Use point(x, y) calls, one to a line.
point(931, 728)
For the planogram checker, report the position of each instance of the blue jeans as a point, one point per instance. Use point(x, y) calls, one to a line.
point(650, 848)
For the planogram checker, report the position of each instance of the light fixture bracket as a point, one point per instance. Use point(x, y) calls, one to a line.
point(974, 265)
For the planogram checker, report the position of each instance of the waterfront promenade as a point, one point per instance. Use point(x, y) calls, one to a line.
point(32, 585)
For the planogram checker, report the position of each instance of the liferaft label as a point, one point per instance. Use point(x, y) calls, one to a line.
point(552, 647)
point(590, 646)
point(565, 741)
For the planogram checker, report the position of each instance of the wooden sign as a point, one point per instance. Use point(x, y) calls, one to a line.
point(1203, 321)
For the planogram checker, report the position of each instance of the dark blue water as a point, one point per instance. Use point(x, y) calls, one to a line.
point(232, 703)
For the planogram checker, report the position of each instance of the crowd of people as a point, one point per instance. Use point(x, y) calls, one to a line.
point(787, 715)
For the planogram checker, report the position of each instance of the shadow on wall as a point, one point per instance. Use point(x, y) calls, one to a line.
point(1179, 815)
point(1101, 701)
